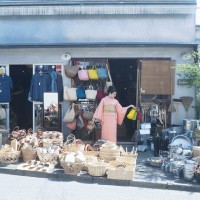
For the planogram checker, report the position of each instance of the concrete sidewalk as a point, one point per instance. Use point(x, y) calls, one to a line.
point(146, 176)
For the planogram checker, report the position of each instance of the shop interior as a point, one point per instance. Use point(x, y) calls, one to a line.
point(20, 107)
point(124, 76)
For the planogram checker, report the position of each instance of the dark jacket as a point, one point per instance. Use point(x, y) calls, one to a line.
point(6, 87)
point(40, 83)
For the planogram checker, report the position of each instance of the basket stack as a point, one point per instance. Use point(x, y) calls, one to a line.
point(109, 151)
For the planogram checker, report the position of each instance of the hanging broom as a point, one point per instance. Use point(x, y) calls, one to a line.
point(171, 106)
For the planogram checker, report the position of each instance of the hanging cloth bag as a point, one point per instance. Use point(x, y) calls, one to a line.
point(72, 125)
point(102, 73)
point(80, 93)
point(2, 113)
point(91, 93)
point(131, 114)
point(93, 73)
point(70, 114)
point(83, 74)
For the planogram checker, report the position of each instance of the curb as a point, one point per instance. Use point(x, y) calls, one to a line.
point(59, 175)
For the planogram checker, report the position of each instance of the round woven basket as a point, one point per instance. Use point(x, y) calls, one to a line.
point(108, 156)
point(72, 168)
point(10, 157)
point(97, 168)
point(29, 154)
point(47, 157)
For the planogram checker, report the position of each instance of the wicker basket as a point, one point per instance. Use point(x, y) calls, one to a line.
point(72, 71)
point(9, 157)
point(29, 154)
point(120, 171)
point(109, 155)
point(128, 158)
point(47, 157)
point(89, 151)
point(72, 168)
point(76, 145)
point(97, 168)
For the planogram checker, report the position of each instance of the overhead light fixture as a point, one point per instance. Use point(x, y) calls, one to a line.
point(66, 56)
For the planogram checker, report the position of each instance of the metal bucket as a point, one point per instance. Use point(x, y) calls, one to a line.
point(187, 125)
point(189, 169)
point(194, 124)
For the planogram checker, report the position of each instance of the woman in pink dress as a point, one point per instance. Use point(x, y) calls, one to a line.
point(110, 113)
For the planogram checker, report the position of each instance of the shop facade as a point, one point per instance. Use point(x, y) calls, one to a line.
point(126, 34)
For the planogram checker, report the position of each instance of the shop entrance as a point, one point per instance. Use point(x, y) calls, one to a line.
point(124, 76)
point(20, 107)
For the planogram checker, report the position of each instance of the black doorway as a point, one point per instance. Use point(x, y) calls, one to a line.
point(20, 107)
point(124, 75)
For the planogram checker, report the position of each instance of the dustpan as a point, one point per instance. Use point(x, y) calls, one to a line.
point(186, 101)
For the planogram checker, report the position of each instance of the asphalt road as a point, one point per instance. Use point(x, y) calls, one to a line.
point(14, 187)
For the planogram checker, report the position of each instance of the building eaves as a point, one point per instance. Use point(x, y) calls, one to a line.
point(97, 9)
point(91, 45)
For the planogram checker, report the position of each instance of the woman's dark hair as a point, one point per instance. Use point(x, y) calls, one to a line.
point(111, 90)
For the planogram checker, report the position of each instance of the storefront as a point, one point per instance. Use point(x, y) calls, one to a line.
point(129, 39)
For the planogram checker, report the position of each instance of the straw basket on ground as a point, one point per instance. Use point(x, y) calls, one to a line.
point(97, 168)
point(9, 157)
point(109, 151)
point(120, 171)
point(47, 157)
point(72, 168)
point(29, 154)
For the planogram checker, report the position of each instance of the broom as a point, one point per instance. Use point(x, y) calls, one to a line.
point(171, 106)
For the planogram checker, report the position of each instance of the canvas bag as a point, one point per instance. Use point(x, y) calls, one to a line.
point(131, 113)
point(91, 93)
point(2, 113)
point(70, 94)
point(93, 73)
point(72, 125)
point(80, 93)
point(102, 73)
point(70, 114)
point(83, 75)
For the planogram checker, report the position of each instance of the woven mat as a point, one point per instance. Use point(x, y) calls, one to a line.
point(37, 168)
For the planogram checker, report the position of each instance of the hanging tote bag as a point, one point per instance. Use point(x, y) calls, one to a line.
point(70, 114)
point(102, 73)
point(83, 75)
point(72, 125)
point(65, 95)
point(72, 71)
point(139, 116)
point(71, 94)
point(80, 93)
point(2, 113)
point(100, 93)
point(131, 113)
point(91, 93)
point(93, 73)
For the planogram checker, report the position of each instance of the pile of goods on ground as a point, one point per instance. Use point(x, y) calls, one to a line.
point(43, 151)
